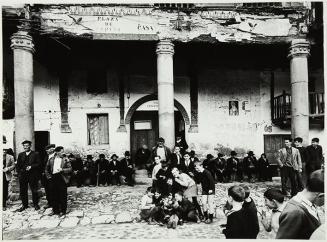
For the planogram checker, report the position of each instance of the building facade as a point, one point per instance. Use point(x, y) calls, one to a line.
point(109, 78)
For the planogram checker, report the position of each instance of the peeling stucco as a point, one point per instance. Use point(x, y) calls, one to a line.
point(223, 26)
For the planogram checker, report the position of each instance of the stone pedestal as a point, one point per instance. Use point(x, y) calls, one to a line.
point(23, 48)
point(299, 52)
point(165, 75)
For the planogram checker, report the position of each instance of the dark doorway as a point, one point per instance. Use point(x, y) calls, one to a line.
point(145, 129)
point(42, 139)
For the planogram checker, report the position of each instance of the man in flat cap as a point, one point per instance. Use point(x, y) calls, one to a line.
point(58, 171)
point(28, 169)
point(45, 182)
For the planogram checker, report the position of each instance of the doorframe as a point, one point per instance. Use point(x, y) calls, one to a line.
point(148, 98)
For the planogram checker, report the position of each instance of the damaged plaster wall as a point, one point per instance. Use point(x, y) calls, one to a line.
point(113, 22)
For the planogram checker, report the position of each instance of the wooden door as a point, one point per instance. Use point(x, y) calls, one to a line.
point(272, 143)
point(141, 133)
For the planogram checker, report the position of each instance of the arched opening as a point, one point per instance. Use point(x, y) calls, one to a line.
point(144, 125)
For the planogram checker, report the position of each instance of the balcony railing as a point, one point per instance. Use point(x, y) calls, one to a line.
point(282, 107)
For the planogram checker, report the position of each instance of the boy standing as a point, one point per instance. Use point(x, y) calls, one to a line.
point(208, 191)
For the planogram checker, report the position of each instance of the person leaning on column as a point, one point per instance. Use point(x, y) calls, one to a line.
point(28, 169)
point(8, 167)
point(58, 171)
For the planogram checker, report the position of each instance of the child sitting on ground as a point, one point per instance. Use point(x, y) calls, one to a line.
point(147, 205)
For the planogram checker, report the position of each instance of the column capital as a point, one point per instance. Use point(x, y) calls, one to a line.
point(165, 47)
point(299, 48)
point(22, 40)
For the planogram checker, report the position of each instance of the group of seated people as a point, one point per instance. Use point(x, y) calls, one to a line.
point(222, 170)
point(102, 172)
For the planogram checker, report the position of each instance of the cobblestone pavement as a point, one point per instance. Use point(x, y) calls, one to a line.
point(112, 212)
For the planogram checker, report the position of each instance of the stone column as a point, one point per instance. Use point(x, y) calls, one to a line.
point(23, 48)
point(165, 78)
point(299, 52)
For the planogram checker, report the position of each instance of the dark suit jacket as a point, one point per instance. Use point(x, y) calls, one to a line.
point(295, 222)
point(65, 165)
point(314, 155)
point(174, 161)
point(113, 167)
point(125, 166)
point(33, 160)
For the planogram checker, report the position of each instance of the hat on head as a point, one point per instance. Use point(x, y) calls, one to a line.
point(127, 153)
point(59, 148)
point(220, 155)
point(89, 156)
point(233, 152)
point(26, 142)
point(114, 155)
point(164, 163)
point(102, 156)
point(250, 153)
point(161, 139)
point(50, 146)
point(209, 156)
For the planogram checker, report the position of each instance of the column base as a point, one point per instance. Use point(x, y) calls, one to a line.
point(65, 128)
point(194, 128)
point(122, 128)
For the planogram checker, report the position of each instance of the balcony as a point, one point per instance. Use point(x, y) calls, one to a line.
point(281, 109)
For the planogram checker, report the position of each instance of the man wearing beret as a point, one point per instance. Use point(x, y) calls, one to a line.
point(45, 182)
point(28, 169)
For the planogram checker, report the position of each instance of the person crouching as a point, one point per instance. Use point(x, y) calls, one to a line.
point(57, 171)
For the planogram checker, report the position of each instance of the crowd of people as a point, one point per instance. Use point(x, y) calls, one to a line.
point(173, 197)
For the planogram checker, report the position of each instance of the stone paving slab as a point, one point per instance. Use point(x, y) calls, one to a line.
point(100, 207)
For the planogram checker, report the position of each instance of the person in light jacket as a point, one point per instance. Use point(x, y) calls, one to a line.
point(289, 161)
point(8, 167)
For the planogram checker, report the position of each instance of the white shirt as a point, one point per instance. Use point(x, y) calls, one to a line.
point(161, 152)
point(187, 162)
point(51, 155)
point(185, 180)
point(56, 165)
point(146, 202)
point(155, 171)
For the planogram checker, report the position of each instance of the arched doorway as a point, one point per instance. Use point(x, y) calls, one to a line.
point(143, 120)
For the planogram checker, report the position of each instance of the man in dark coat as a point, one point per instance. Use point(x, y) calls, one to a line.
point(219, 165)
point(28, 169)
point(177, 158)
point(164, 179)
point(45, 182)
point(250, 165)
point(188, 165)
point(142, 156)
point(314, 156)
point(58, 171)
point(300, 176)
point(299, 218)
point(181, 143)
point(103, 164)
point(128, 169)
point(161, 150)
point(93, 170)
point(77, 167)
point(231, 166)
point(114, 170)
